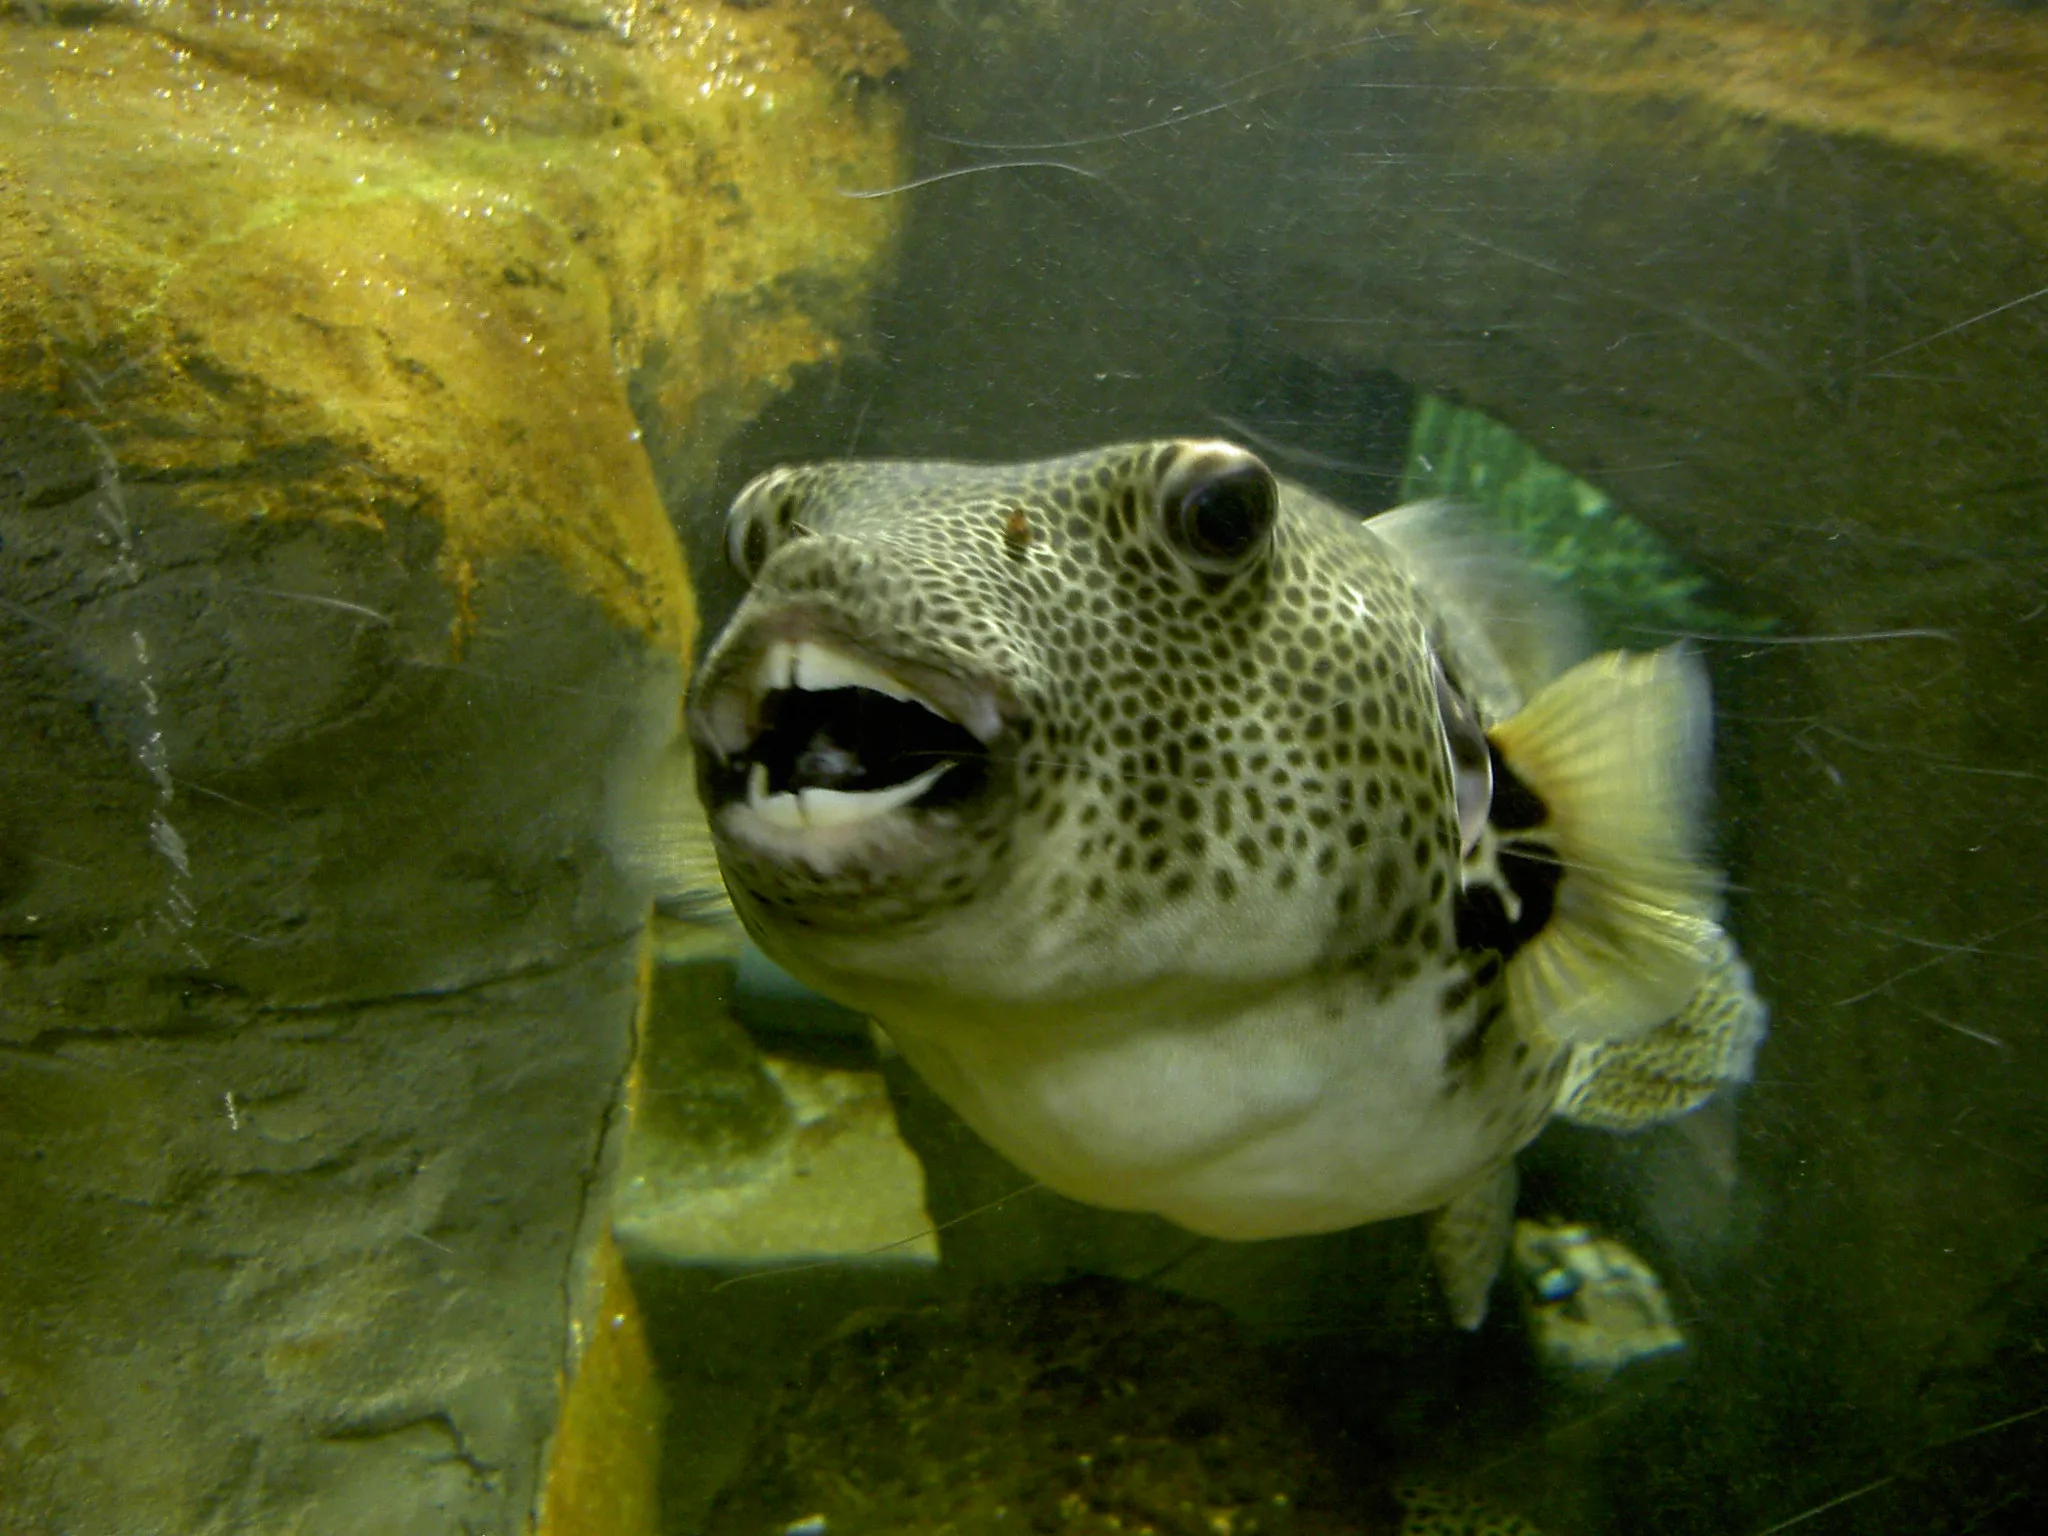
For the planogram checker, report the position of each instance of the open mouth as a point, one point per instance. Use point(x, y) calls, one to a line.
point(817, 739)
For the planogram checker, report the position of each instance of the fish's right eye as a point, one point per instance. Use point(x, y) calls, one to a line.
point(761, 514)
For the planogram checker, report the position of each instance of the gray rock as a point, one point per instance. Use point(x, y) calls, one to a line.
point(318, 1000)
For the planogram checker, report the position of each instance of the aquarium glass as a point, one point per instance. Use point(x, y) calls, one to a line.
point(1206, 1012)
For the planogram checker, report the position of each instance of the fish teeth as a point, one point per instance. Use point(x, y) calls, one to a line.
point(814, 809)
point(841, 808)
point(777, 810)
point(817, 669)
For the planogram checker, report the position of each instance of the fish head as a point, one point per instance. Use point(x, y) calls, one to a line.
point(1072, 727)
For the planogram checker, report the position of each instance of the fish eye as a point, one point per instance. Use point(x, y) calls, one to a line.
point(759, 516)
point(1217, 504)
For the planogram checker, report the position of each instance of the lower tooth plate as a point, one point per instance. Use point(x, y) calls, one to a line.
point(816, 809)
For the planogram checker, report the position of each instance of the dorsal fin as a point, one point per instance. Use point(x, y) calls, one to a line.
point(1509, 628)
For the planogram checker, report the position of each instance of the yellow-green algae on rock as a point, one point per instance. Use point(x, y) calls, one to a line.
point(334, 576)
point(603, 1464)
point(448, 239)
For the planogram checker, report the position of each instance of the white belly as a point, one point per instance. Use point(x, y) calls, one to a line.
point(1308, 1112)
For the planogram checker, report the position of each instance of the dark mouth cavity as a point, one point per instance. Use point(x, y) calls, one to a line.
point(859, 741)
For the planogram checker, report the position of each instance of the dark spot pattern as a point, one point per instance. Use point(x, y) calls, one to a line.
point(1270, 706)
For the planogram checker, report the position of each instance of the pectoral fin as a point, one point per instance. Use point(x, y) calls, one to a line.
point(1468, 1239)
point(658, 833)
point(1616, 752)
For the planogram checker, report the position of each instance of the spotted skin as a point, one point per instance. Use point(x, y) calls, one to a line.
point(1213, 853)
point(1189, 741)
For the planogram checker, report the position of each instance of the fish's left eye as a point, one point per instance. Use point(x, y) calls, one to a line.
point(1218, 503)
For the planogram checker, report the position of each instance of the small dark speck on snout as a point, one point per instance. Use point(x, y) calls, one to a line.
point(1017, 531)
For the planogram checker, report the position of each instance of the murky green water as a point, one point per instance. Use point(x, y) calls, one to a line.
point(374, 379)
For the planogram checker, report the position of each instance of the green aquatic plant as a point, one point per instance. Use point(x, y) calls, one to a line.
point(1629, 579)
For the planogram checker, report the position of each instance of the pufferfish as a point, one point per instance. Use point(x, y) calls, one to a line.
point(1213, 852)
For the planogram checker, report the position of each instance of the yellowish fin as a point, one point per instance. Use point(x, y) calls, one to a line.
point(1616, 749)
point(1710, 1044)
point(1429, 1510)
point(1468, 1238)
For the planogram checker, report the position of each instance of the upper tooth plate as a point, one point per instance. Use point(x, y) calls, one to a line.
point(815, 668)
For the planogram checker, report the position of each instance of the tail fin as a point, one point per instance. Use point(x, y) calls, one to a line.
point(1616, 749)
point(1623, 1085)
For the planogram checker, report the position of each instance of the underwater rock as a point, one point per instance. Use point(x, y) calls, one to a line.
point(740, 1160)
point(1089, 1407)
point(334, 578)
point(763, 1196)
point(605, 1461)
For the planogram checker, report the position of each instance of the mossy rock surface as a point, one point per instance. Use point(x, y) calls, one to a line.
point(1088, 1407)
point(348, 353)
